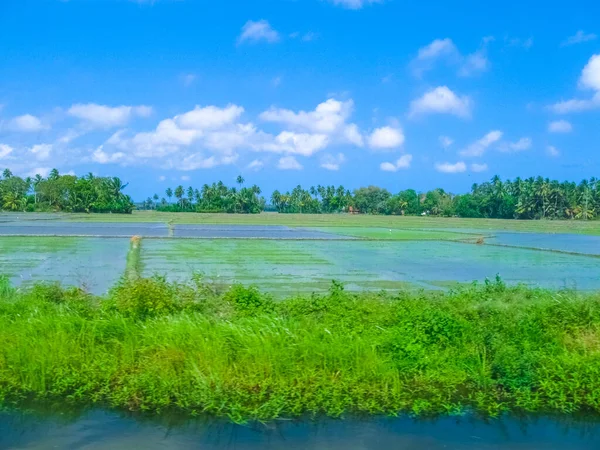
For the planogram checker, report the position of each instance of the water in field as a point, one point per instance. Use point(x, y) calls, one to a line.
point(306, 266)
point(57, 228)
point(93, 263)
point(574, 243)
point(251, 232)
point(99, 430)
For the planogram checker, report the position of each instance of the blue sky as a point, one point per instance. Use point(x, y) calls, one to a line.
point(354, 92)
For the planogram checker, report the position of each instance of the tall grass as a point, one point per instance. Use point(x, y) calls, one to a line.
point(133, 264)
point(152, 345)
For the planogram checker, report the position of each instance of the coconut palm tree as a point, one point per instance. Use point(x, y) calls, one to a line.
point(179, 195)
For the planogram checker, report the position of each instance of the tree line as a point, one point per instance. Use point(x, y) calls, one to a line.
point(531, 198)
point(216, 198)
point(67, 193)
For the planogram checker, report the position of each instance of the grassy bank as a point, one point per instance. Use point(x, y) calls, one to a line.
point(349, 220)
point(150, 345)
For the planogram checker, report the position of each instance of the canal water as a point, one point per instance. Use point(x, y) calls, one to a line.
point(107, 430)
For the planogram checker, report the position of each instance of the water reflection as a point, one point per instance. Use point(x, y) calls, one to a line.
point(106, 430)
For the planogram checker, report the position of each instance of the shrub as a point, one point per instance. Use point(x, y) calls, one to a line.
point(248, 300)
point(143, 298)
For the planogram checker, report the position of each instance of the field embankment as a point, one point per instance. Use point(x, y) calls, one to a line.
point(351, 220)
point(152, 345)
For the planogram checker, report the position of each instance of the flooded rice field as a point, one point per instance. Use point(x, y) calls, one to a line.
point(251, 232)
point(286, 260)
point(93, 263)
point(294, 266)
point(99, 430)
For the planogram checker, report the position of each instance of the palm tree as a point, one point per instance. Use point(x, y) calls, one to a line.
point(53, 176)
point(36, 182)
point(179, 194)
point(7, 174)
point(190, 193)
point(115, 186)
point(240, 180)
point(169, 193)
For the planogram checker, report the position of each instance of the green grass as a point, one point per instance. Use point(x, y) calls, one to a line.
point(153, 346)
point(133, 264)
point(394, 234)
point(348, 220)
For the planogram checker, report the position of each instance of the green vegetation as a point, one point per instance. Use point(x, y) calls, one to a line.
point(533, 198)
point(151, 345)
point(353, 220)
point(63, 193)
point(209, 199)
point(133, 265)
point(399, 234)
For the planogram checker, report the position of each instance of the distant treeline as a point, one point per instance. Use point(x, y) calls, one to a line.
point(532, 198)
point(67, 193)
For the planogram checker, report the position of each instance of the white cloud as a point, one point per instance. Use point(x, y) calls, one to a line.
point(576, 105)
point(188, 79)
point(327, 123)
point(386, 138)
point(41, 171)
point(388, 167)
point(26, 123)
point(328, 117)
point(203, 118)
point(69, 136)
point(519, 146)
point(447, 167)
point(436, 50)
point(354, 4)
point(560, 126)
point(162, 178)
point(590, 76)
point(331, 162)
point(276, 81)
point(257, 31)
point(289, 163)
point(310, 36)
point(479, 147)
point(41, 151)
point(352, 135)
point(185, 178)
point(579, 38)
point(5, 150)
point(211, 135)
point(102, 116)
point(590, 79)
point(256, 165)
point(102, 157)
point(441, 100)
point(195, 161)
point(479, 167)
point(401, 163)
point(300, 143)
point(446, 51)
point(552, 151)
point(446, 141)
point(474, 63)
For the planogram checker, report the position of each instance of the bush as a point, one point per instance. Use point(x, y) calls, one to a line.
point(143, 298)
point(248, 300)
